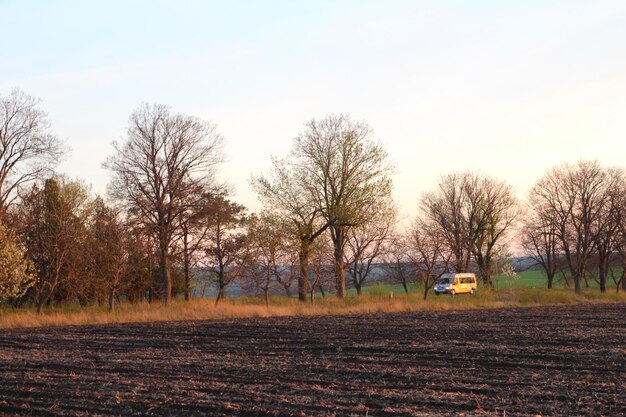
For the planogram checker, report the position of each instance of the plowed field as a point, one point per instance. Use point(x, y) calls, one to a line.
point(546, 360)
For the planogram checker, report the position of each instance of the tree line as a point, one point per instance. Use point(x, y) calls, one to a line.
point(328, 216)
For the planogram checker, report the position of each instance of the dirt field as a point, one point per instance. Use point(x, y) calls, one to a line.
point(547, 360)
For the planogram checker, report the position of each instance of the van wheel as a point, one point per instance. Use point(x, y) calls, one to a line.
point(437, 294)
point(472, 291)
point(452, 292)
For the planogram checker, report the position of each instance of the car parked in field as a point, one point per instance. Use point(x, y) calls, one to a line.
point(463, 283)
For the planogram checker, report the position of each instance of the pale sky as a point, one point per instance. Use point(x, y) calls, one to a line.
point(507, 87)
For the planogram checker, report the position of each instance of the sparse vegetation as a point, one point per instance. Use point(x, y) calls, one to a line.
point(375, 298)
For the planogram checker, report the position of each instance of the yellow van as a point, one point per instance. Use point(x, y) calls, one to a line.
point(456, 284)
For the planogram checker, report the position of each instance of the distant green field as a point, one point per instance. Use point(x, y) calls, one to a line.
point(537, 279)
point(525, 279)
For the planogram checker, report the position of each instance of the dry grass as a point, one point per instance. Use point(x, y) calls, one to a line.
point(201, 309)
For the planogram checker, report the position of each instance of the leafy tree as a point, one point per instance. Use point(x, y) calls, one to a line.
point(349, 175)
point(286, 191)
point(15, 276)
point(51, 231)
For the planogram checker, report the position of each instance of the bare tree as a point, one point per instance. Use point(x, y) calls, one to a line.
point(166, 165)
point(446, 207)
point(397, 265)
point(620, 282)
point(496, 211)
point(348, 173)
point(28, 151)
point(287, 268)
point(367, 243)
point(108, 258)
point(321, 273)
point(574, 196)
point(266, 240)
point(621, 246)
point(428, 251)
point(539, 240)
point(607, 225)
point(227, 250)
point(190, 238)
point(190, 245)
point(474, 213)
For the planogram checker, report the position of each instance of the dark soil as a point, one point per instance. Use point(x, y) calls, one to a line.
point(562, 361)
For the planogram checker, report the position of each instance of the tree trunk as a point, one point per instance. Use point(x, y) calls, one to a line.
point(359, 289)
point(111, 299)
point(40, 305)
point(303, 279)
point(566, 279)
point(220, 295)
point(406, 288)
point(166, 279)
point(425, 291)
point(577, 286)
point(322, 291)
point(340, 274)
point(603, 273)
point(186, 265)
point(550, 280)
point(267, 298)
point(487, 282)
point(46, 298)
point(287, 290)
point(312, 295)
point(338, 238)
point(484, 267)
point(459, 258)
point(466, 261)
point(221, 282)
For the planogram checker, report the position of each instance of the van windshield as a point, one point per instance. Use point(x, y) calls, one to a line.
point(444, 281)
